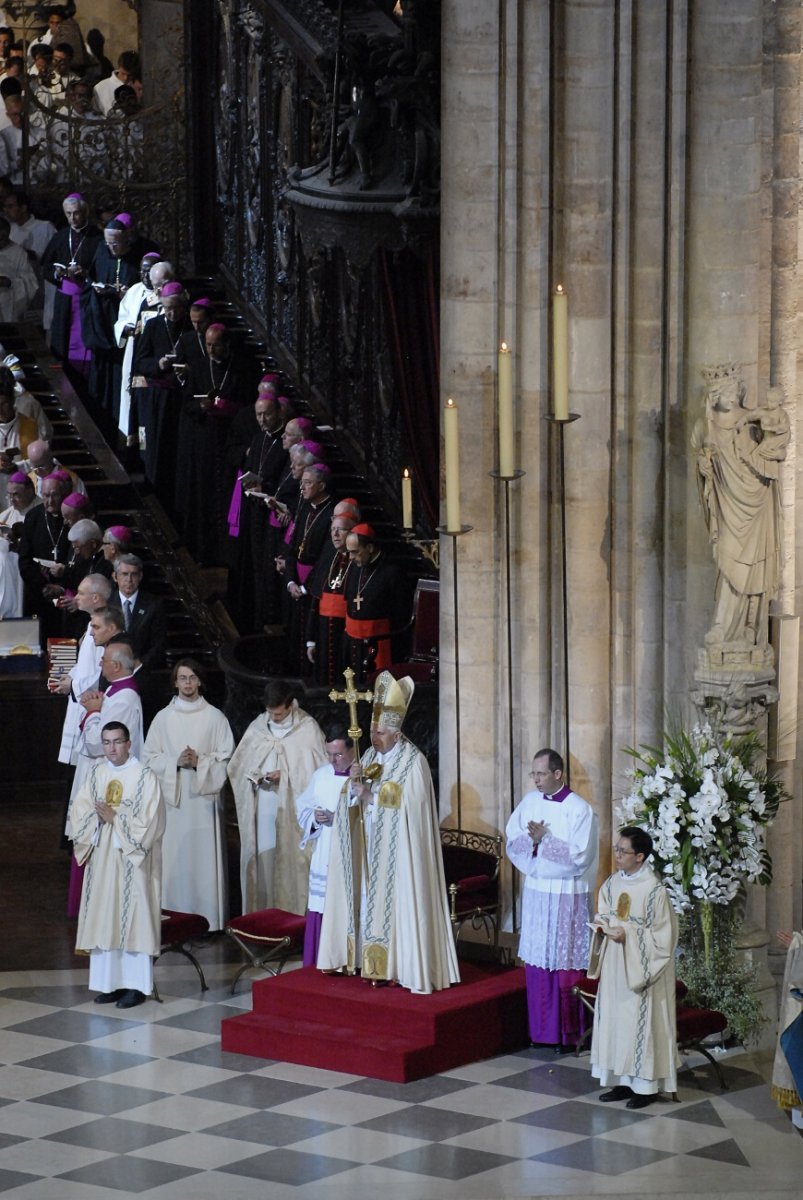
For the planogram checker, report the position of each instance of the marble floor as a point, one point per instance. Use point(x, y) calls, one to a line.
point(99, 1104)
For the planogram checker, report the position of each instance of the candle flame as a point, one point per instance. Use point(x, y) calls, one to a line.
point(405, 474)
point(450, 403)
point(504, 348)
point(559, 288)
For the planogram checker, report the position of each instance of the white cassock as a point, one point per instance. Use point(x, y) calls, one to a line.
point(324, 791)
point(83, 676)
point(194, 876)
point(15, 265)
point(129, 314)
point(273, 870)
point(119, 922)
point(394, 923)
point(634, 1043)
point(10, 578)
point(121, 702)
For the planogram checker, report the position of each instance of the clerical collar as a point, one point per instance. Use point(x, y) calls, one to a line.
point(131, 761)
point(636, 874)
point(283, 727)
point(559, 796)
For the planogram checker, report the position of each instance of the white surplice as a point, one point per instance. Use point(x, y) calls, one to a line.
point(83, 676)
point(324, 791)
point(194, 876)
point(11, 589)
point(556, 899)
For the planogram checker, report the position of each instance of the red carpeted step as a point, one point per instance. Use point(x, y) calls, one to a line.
point(342, 1024)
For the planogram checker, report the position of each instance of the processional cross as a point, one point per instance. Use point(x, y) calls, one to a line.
point(350, 696)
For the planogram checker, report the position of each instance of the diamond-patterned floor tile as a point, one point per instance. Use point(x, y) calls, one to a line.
point(445, 1162)
point(290, 1166)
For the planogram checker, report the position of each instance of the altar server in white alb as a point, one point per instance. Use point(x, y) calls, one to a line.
point(315, 809)
point(634, 1044)
point(117, 825)
point(387, 912)
point(188, 748)
point(552, 838)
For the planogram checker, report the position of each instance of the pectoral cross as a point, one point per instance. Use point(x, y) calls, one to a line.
point(350, 696)
point(358, 602)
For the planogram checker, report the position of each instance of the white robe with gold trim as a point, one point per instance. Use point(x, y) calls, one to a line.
point(121, 896)
point(393, 919)
point(634, 1041)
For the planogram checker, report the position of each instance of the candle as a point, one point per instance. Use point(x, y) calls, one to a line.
point(450, 437)
point(407, 500)
point(560, 355)
point(505, 385)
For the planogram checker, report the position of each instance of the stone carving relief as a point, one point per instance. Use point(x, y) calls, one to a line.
point(739, 449)
point(738, 455)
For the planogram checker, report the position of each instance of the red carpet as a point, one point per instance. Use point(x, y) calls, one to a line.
point(341, 1023)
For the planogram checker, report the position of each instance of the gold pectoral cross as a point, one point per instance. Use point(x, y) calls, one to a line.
point(351, 696)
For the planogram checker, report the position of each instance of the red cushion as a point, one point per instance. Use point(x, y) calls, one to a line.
point(474, 883)
point(694, 1024)
point(178, 927)
point(270, 923)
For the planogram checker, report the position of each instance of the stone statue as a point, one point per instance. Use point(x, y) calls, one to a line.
point(739, 451)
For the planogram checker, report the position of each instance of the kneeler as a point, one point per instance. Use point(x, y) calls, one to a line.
point(178, 929)
point(268, 936)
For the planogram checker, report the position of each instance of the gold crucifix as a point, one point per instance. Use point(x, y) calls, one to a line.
point(351, 696)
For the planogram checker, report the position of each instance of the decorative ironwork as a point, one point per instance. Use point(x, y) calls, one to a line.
point(326, 140)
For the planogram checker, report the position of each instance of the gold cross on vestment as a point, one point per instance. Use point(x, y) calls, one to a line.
point(350, 696)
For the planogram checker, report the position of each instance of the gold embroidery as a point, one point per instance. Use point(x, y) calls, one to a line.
point(623, 907)
point(350, 955)
point(390, 795)
point(114, 793)
point(374, 962)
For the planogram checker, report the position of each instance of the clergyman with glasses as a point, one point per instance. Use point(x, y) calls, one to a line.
point(634, 1044)
point(117, 823)
point(553, 839)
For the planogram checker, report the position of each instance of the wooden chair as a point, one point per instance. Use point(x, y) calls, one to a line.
point(471, 864)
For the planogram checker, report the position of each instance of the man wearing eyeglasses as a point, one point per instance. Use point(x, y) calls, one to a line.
point(552, 839)
point(118, 820)
point(634, 1044)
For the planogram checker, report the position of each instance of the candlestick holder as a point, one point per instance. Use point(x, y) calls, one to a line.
point(560, 423)
point(430, 548)
point(455, 534)
point(507, 480)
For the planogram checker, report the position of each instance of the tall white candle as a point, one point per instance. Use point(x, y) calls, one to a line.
point(560, 354)
point(505, 385)
point(451, 447)
point(407, 500)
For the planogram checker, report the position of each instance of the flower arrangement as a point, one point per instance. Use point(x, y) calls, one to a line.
point(706, 801)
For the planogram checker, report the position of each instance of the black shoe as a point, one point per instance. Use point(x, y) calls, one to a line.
point(642, 1101)
point(131, 998)
point(110, 997)
point(620, 1092)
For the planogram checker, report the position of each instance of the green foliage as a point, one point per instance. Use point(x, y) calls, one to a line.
point(720, 980)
